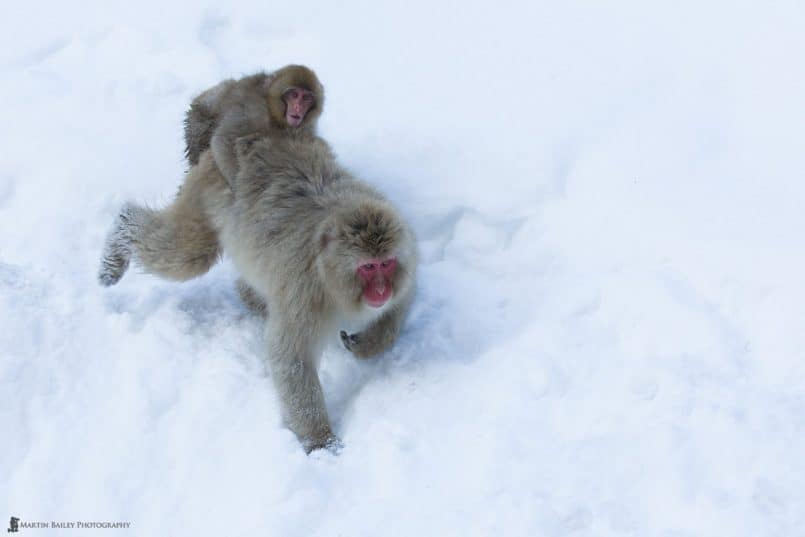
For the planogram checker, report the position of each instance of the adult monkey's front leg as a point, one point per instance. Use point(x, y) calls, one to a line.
point(381, 334)
point(293, 370)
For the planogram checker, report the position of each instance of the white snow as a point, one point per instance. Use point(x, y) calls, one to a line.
point(609, 336)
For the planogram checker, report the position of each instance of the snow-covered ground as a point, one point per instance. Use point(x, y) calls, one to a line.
point(609, 337)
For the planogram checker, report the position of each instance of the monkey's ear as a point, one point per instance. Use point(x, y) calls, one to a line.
point(327, 234)
point(326, 238)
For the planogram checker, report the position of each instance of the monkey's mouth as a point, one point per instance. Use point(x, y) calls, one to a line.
point(377, 296)
point(294, 119)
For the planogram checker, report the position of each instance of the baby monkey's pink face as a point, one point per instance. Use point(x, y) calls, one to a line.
point(377, 275)
point(297, 103)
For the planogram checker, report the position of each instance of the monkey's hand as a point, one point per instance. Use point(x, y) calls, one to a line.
point(244, 144)
point(380, 335)
point(360, 345)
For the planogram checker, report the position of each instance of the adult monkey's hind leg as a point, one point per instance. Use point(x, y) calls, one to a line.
point(177, 243)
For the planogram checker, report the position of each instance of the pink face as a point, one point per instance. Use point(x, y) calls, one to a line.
point(376, 275)
point(297, 103)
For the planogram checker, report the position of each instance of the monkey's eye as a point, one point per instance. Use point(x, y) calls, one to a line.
point(308, 97)
point(292, 94)
point(388, 264)
point(368, 266)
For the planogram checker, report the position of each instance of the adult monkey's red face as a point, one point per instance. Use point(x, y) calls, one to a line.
point(377, 275)
point(297, 103)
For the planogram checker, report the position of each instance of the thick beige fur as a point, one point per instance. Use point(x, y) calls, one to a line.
point(296, 225)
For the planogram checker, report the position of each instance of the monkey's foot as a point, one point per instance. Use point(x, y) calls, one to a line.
point(331, 443)
point(116, 250)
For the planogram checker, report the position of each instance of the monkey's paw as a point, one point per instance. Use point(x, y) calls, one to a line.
point(116, 250)
point(349, 340)
point(356, 344)
point(361, 345)
point(244, 144)
point(331, 443)
point(109, 276)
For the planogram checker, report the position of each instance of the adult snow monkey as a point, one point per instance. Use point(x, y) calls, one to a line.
point(321, 250)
